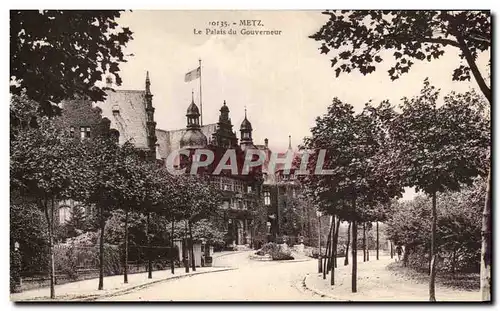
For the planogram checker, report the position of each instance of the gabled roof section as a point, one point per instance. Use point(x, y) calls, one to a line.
point(126, 109)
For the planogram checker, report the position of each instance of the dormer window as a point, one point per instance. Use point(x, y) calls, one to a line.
point(116, 110)
point(84, 132)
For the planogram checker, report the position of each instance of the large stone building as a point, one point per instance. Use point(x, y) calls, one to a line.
point(241, 193)
point(129, 114)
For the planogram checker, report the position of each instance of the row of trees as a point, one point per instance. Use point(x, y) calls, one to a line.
point(48, 165)
point(367, 40)
point(375, 154)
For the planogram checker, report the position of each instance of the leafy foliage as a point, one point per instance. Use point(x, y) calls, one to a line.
point(357, 38)
point(458, 231)
point(438, 148)
point(57, 55)
point(28, 227)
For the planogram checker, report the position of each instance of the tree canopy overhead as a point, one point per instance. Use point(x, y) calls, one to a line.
point(56, 55)
point(356, 38)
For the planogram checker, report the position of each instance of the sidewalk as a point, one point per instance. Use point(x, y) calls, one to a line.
point(376, 283)
point(113, 285)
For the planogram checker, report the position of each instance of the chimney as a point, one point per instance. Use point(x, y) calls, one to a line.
point(266, 142)
point(109, 81)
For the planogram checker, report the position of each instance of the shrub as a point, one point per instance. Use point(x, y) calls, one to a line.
point(275, 251)
point(82, 252)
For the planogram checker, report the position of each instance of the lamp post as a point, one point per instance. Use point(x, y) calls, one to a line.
point(15, 285)
point(319, 214)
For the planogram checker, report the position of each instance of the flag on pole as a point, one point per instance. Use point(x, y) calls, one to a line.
point(193, 75)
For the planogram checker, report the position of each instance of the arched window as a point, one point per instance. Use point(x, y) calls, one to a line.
point(64, 214)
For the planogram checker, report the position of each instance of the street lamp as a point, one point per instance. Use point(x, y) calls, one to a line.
point(319, 214)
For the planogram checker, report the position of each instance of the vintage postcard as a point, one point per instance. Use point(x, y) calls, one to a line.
point(287, 155)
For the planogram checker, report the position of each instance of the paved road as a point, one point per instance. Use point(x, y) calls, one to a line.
point(252, 280)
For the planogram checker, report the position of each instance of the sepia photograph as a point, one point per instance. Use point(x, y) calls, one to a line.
point(250, 155)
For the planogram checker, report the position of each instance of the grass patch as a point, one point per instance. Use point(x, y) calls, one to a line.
point(459, 280)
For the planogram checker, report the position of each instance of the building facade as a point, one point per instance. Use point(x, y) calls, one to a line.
point(126, 114)
point(241, 193)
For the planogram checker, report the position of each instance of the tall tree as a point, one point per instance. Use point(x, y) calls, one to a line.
point(439, 148)
point(351, 144)
point(356, 39)
point(43, 162)
point(56, 55)
point(103, 181)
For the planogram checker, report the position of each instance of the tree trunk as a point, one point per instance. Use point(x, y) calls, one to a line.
point(191, 247)
point(309, 229)
point(432, 285)
point(391, 250)
point(364, 242)
point(172, 259)
point(101, 249)
point(406, 254)
point(354, 288)
point(125, 266)
point(367, 245)
point(377, 242)
point(346, 260)
point(328, 242)
point(185, 256)
point(50, 229)
point(150, 264)
point(330, 257)
point(453, 259)
point(320, 263)
point(330, 246)
point(334, 251)
point(486, 245)
point(337, 226)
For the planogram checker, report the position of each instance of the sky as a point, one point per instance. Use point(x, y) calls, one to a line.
point(283, 81)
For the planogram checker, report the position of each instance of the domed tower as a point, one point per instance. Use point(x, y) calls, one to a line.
point(224, 136)
point(246, 140)
point(193, 138)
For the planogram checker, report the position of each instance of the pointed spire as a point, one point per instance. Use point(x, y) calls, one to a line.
point(245, 111)
point(148, 83)
point(192, 96)
point(290, 142)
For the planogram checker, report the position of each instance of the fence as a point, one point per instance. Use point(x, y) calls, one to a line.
point(76, 262)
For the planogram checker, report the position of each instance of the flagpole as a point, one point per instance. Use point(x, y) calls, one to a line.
point(201, 102)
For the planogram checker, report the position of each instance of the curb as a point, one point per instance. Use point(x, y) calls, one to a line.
point(318, 292)
point(142, 286)
point(118, 292)
point(231, 253)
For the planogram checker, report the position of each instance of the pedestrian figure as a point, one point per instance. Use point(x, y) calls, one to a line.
point(399, 251)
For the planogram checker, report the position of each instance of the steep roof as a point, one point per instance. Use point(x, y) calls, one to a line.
point(126, 109)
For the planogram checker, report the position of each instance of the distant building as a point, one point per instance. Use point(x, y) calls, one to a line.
point(281, 193)
point(241, 192)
